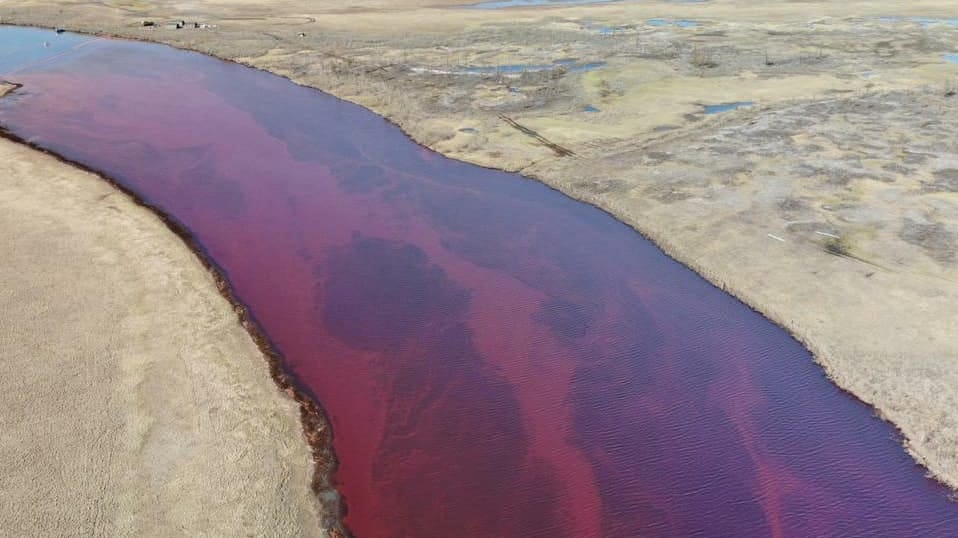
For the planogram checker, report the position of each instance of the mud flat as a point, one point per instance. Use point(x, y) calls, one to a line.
point(133, 403)
point(846, 239)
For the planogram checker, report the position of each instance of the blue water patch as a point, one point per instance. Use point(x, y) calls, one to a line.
point(726, 107)
point(590, 108)
point(681, 23)
point(953, 58)
point(588, 66)
point(469, 130)
point(925, 22)
point(499, 4)
point(611, 30)
point(22, 47)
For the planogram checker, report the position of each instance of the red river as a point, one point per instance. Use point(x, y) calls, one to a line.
point(496, 359)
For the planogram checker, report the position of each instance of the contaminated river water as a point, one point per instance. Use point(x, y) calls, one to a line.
point(496, 359)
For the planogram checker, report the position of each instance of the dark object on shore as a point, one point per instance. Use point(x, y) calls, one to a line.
point(59, 30)
point(301, 34)
point(148, 23)
point(179, 25)
point(196, 25)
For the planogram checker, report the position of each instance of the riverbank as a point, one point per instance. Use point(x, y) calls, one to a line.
point(135, 402)
point(829, 205)
point(6, 88)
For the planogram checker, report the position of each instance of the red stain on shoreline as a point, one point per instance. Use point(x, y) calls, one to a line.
point(495, 359)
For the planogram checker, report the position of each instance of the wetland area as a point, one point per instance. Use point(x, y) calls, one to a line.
point(498, 359)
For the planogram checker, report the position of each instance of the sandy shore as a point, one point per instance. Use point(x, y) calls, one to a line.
point(830, 205)
point(133, 403)
point(6, 87)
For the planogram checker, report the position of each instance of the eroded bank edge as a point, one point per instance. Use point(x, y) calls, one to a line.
point(316, 426)
point(7, 87)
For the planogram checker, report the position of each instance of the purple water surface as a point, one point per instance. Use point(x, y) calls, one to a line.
point(496, 359)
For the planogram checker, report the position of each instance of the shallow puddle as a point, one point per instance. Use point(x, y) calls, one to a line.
point(924, 22)
point(681, 23)
point(726, 107)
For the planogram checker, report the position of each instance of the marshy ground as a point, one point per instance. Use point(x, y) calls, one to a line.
point(830, 204)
